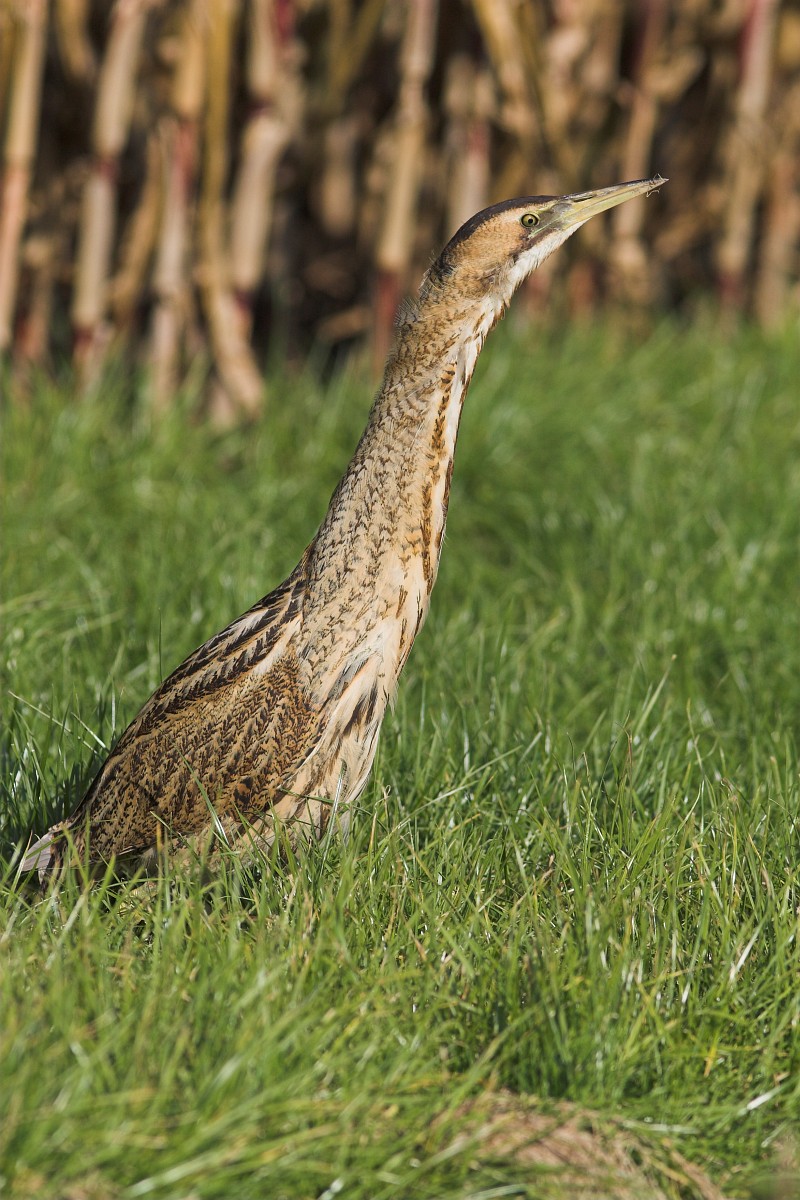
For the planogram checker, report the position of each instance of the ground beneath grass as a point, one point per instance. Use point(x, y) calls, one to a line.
point(558, 956)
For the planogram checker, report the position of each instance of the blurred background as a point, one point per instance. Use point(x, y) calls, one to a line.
point(187, 183)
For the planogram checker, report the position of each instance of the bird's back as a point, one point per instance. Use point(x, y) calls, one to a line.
point(212, 746)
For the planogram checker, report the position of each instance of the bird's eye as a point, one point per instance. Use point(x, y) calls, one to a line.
point(529, 220)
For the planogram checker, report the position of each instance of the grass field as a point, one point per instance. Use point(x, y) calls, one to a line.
point(574, 872)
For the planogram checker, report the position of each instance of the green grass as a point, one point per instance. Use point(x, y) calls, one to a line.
point(574, 873)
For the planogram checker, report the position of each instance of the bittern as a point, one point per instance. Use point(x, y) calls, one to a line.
point(275, 720)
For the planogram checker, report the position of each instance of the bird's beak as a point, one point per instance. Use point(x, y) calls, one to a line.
point(575, 209)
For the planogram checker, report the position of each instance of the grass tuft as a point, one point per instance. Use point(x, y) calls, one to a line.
point(571, 893)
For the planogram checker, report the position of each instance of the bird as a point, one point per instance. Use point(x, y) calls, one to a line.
point(273, 723)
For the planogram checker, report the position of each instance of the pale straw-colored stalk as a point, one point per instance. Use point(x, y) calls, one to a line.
point(240, 384)
point(30, 30)
point(504, 34)
point(39, 259)
point(112, 117)
point(137, 243)
point(395, 241)
point(775, 272)
point(628, 254)
point(178, 153)
point(747, 147)
point(264, 139)
point(71, 24)
point(468, 104)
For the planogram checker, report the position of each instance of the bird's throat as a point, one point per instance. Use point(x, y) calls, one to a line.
point(375, 559)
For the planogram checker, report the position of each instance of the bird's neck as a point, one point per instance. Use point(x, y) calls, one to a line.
point(377, 552)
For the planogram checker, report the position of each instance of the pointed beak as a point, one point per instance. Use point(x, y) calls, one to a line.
point(575, 209)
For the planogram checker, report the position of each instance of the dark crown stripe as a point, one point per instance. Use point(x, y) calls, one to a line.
point(469, 227)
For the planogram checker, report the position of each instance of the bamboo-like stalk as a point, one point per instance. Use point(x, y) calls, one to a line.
point(33, 325)
point(776, 269)
point(746, 160)
point(6, 57)
point(112, 118)
point(177, 157)
point(562, 50)
point(629, 257)
point(393, 251)
point(241, 384)
point(780, 241)
point(468, 103)
point(136, 246)
point(348, 50)
point(71, 19)
point(264, 139)
point(19, 150)
point(497, 20)
point(338, 185)
point(178, 143)
point(579, 74)
point(501, 24)
point(536, 98)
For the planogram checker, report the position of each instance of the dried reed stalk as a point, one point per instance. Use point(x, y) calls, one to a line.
point(30, 23)
point(777, 264)
point(468, 104)
point(266, 134)
point(349, 44)
point(533, 98)
point(126, 286)
point(115, 94)
point(746, 150)
point(777, 271)
point(6, 56)
point(629, 257)
point(178, 153)
point(338, 186)
point(337, 198)
point(578, 66)
point(506, 36)
point(395, 241)
point(240, 389)
point(71, 19)
point(34, 318)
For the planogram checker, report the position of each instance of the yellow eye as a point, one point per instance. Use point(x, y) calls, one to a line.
point(529, 220)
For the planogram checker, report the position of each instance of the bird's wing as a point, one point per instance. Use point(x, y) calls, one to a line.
point(223, 731)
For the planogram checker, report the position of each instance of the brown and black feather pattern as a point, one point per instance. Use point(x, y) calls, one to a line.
point(214, 732)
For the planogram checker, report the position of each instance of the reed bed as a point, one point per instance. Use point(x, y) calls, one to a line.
point(184, 180)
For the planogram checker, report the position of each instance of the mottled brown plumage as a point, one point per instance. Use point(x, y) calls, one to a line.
point(277, 717)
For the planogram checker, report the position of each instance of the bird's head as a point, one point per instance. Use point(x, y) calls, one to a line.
point(496, 249)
